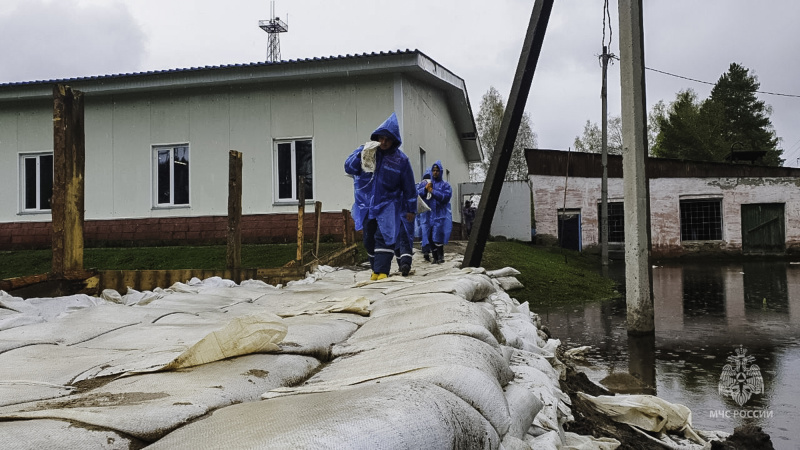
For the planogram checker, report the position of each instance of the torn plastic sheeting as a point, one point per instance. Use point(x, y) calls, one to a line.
point(165, 346)
point(42, 434)
point(435, 351)
point(148, 406)
point(646, 412)
point(386, 415)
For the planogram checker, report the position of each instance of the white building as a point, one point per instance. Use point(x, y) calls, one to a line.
point(157, 144)
point(695, 207)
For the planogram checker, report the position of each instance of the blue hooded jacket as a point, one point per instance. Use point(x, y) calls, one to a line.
point(441, 216)
point(387, 193)
point(423, 219)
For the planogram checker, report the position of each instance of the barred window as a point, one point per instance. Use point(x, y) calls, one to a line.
point(701, 220)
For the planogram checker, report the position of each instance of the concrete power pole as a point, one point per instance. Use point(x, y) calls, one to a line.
point(638, 279)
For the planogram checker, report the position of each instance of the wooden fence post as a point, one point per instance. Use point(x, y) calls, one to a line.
point(318, 217)
point(301, 209)
point(69, 161)
point(234, 235)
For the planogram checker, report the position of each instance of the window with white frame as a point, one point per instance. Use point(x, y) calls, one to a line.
point(36, 181)
point(293, 159)
point(171, 175)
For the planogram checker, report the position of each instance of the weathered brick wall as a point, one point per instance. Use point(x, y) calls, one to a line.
point(256, 229)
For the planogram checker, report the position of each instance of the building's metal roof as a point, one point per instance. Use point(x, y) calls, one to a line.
point(413, 63)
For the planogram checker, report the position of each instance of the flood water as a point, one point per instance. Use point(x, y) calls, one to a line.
point(703, 313)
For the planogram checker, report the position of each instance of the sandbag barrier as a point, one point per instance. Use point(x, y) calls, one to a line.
point(444, 358)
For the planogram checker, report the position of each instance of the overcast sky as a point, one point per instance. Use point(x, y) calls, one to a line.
point(480, 41)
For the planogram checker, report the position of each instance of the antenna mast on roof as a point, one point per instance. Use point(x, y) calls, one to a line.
point(274, 26)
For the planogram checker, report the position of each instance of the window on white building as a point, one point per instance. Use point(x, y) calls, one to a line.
point(422, 164)
point(616, 222)
point(701, 220)
point(36, 180)
point(171, 175)
point(293, 159)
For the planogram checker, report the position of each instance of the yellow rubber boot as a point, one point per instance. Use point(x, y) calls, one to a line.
point(381, 276)
point(374, 276)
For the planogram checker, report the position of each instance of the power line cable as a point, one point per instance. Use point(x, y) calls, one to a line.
point(713, 84)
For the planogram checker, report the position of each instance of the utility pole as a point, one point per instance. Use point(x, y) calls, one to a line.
point(638, 276)
point(604, 183)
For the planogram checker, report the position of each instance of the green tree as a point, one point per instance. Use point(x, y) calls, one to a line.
point(490, 116)
point(731, 119)
point(592, 139)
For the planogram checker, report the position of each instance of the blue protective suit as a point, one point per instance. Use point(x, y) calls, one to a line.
point(423, 219)
point(441, 216)
point(385, 195)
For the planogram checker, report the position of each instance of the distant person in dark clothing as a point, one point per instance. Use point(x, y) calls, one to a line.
point(468, 216)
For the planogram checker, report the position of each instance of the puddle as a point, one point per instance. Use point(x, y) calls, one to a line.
point(703, 314)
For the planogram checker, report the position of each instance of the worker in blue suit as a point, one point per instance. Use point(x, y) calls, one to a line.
point(385, 193)
point(423, 218)
point(438, 192)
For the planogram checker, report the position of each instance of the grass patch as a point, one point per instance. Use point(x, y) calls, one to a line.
point(32, 262)
point(551, 275)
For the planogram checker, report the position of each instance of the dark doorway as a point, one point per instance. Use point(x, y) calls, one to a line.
point(569, 229)
point(763, 229)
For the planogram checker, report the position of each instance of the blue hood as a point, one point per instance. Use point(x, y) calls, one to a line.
point(389, 128)
point(438, 163)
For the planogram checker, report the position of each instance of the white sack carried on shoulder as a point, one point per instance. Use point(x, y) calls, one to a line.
point(422, 207)
point(368, 156)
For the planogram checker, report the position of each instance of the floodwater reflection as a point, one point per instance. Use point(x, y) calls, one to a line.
point(703, 313)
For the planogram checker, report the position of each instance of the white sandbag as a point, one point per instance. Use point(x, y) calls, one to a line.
point(421, 321)
point(149, 406)
point(368, 156)
point(546, 441)
point(521, 325)
point(167, 346)
point(521, 359)
point(376, 415)
point(523, 406)
point(469, 286)
point(48, 434)
point(514, 443)
point(315, 335)
point(509, 283)
point(393, 359)
point(504, 272)
point(354, 304)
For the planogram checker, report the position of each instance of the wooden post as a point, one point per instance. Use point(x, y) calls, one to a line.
point(69, 160)
point(318, 218)
point(234, 250)
point(346, 227)
point(301, 209)
point(507, 135)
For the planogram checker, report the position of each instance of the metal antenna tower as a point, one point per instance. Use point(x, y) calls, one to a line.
point(274, 26)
